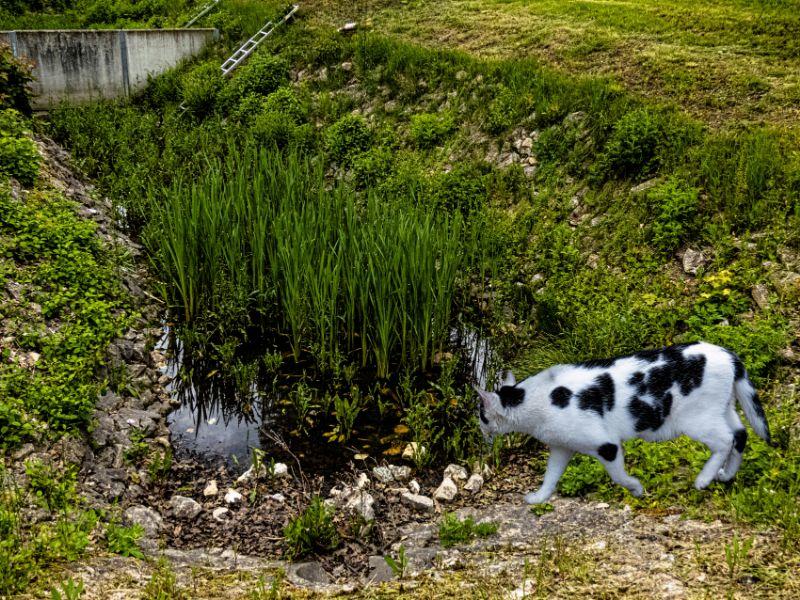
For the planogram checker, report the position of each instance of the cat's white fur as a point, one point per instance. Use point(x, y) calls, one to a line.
point(704, 382)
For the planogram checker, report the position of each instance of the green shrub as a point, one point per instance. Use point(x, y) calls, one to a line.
point(503, 111)
point(262, 74)
point(122, 540)
point(284, 100)
point(453, 531)
point(311, 531)
point(462, 189)
point(19, 157)
point(200, 88)
point(55, 490)
point(428, 130)
point(15, 76)
point(247, 108)
point(347, 137)
point(273, 129)
point(676, 206)
point(642, 142)
point(371, 167)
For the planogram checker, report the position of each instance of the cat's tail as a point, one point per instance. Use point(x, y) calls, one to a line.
point(747, 396)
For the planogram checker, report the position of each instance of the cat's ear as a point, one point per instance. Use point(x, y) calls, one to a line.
point(487, 398)
point(509, 379)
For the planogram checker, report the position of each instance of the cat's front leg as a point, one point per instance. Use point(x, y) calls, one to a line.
point(556, 464)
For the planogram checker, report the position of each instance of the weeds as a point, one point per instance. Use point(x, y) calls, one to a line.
point(311, 531)
point(123, 540)
point(453, 531)
point(398, 565)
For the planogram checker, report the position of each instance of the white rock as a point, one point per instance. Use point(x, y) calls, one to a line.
point(149, 519)
point(185, 508)
point(362, 481)
point(400, 473)
point(760, 294)
point(233, 497)
point(474, 484)
point(414, 450)
point(278, 497)
point(414, 486)
point(692, 261)
point(602, 505)
point(483, 470)
point(246, 476)
point(391, 473)
point(347, 66)
point(382, 474)
point(456, 473)
point(280, 470)
point(221, 514)
point(361, 503)
point(417, 502)
point(211, 489)
point(446, 491)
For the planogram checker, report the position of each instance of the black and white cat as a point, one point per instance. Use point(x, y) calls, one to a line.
point(591, 407)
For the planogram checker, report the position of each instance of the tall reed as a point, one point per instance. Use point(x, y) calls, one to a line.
point(260, 240)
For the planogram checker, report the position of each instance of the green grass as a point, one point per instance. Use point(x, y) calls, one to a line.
point(572, 262)
point(720, 61)
point(453, 530)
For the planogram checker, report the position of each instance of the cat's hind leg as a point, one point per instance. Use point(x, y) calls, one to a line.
point(734, 460)
point(719, 439)
point(556, 464)
point(612, 459)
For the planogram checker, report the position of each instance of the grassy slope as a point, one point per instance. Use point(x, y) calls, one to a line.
point(724, 62)
point(644, 298)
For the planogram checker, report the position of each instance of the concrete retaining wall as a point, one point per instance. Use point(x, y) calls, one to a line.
point(78, 66)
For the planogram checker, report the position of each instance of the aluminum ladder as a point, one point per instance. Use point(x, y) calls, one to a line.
point(203, 12)
point(250, 45)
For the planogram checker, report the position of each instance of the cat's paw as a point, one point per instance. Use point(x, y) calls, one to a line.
point(636, 490)
point(536, 498)
point(702, 483)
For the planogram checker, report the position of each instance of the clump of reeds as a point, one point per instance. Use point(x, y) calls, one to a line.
point(260, 238)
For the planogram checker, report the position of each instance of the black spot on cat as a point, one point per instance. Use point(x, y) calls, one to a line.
point(599, 396)
point(608, 452)
point(740, 440)
point(690, 374)
point(650, 416)
point(738, 367)
point(482, 413)
point(598, 363)
point(650, 356)
point(511, 396)
point(560, 397)
point(636, 378)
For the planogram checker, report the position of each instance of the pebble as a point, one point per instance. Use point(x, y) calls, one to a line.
point(211, 489)
point(280, 470)
point(474, 484)
point(400, 473)
point(414, 486)
point(362, 481)
point(149, 519)
point(417, 502)
point(446, 491)
point(221, 514)
point(456, 473)
point(185, 508)
point(233, 497)
point(414, 450)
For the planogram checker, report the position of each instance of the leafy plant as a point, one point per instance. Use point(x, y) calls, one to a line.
point(676, 207)
point(19, 157)
point(68, 590)
point(398, 565)
point(163, 584)
point(429, 129)
point(347, 137)
point(453, 531)
point(311, 531)
point(122, 540)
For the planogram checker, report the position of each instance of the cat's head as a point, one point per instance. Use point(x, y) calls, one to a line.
point(491, 413)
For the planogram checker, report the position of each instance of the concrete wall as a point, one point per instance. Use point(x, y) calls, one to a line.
point(78, 66)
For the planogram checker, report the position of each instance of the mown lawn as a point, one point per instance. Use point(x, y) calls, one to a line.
point(723, 61)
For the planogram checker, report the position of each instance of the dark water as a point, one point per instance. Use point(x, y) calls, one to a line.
point(219, 423)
